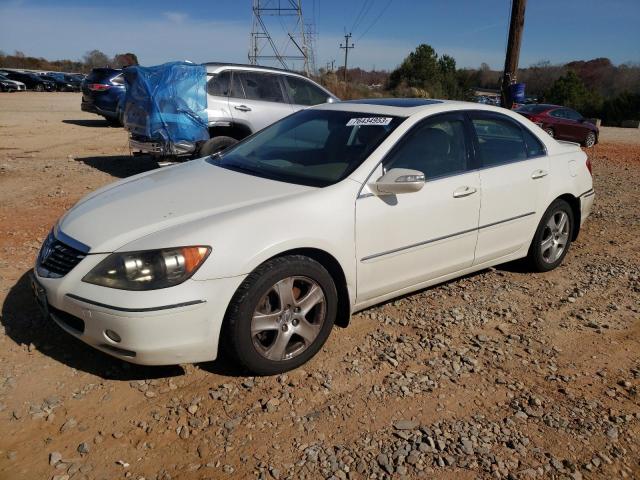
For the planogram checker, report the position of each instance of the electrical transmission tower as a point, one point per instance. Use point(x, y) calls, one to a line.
point(296, 43)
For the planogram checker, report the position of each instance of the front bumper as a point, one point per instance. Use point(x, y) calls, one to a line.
point(176, 325)
point(140, 145)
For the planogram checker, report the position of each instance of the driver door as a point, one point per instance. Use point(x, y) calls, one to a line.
point(407, 239)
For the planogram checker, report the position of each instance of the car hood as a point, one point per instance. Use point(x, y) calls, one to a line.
point(133, 208)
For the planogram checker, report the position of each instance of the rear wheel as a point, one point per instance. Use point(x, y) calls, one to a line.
point(552, 238)
point(550, 132)
point(216, 145)
point(281, 315)
point(590, 141)
point(39, 88)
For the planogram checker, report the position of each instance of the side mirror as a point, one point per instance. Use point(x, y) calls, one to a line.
point(398, 180)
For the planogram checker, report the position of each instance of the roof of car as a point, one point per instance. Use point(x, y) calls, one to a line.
point(396, 102)
point(244, 65)
point(403, 107)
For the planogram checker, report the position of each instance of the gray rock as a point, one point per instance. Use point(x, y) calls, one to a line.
point(405, 425)
point(83, 448)
point(54, 457)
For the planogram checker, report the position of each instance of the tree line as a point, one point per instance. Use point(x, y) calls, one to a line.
point(91, 59)
point(596, 88)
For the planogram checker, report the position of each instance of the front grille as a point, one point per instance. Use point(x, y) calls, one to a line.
point(56, 259)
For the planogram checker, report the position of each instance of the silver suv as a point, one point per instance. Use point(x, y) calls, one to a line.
point(242, 99)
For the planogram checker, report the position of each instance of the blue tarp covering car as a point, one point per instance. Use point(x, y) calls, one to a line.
point(167, 104)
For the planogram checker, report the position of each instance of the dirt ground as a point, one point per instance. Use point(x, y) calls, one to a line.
point(501, 374)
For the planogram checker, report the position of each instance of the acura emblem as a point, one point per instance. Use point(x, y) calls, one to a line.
point(47, 249)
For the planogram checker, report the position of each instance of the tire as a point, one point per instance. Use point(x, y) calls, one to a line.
point(269, 335)
point(39, 88)
point(590, 141)
point(216, 145)
point(550, 132)
point(552, 239)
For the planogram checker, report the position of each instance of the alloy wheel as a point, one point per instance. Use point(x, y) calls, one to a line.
point(288, 318)
point(555, 237)
point(591, 140)
point(549, 132)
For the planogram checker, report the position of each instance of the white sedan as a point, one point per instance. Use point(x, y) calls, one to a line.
point(263, 248)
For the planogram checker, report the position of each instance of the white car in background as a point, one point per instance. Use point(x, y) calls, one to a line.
point(262, 248)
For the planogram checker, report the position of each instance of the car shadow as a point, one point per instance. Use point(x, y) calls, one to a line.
point(25, 325)
point(121, 166)
point(91, 123)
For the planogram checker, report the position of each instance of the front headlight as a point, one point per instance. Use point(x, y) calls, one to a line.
point(148, 269)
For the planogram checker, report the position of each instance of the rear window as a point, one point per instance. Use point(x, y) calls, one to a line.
point(99, 75)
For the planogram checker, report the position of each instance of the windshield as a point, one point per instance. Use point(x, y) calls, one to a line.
point(311, 147)
point(533, 108)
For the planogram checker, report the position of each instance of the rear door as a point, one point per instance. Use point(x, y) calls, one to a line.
point(514, 176)
point(257, 99)
point(218, 90)
point(302, 93)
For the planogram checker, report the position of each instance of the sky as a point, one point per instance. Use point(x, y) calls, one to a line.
point(384, 31)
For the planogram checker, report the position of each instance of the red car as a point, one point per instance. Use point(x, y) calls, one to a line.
point(561, 123)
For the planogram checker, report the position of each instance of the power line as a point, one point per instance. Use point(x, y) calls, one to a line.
point(386, 7)
point(364, 11)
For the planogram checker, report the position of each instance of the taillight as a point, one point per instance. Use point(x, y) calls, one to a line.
point(98, 87)
point(589, 167)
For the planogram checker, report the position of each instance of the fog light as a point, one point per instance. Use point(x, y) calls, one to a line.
point(113, 336)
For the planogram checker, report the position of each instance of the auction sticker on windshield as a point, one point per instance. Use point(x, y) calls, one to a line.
point(369, 121)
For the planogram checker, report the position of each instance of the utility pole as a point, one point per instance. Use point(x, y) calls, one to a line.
point(346, 48)
point(516, 26)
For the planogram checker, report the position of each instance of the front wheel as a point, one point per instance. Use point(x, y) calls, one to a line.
point(552, 238)
point(550, 132)
point(281, 315)
point(39, 88)
point(590, 141)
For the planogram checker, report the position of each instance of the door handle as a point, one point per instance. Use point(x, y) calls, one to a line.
point(464, 192)
point(539, 174)
point(242, 108)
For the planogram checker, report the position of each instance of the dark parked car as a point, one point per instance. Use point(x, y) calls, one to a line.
point(72, 83)
point(60, 84)
point(562, 123)
point(32, 81)
point(101, 92)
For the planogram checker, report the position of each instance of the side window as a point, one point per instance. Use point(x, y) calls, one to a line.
point(118, 80)
point(500, 140)
point(218, 85)
point(535, 148)
point(572, 114)
point(237, 91)
point(437, 148)
point(303, 92)
point(559, 113)
point(262, 86)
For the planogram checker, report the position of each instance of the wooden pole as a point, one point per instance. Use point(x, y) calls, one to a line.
point(516, 26)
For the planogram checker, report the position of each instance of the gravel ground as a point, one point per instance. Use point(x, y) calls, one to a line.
point(501, 374)
point(630, 136)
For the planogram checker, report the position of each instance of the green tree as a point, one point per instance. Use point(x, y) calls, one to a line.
point(424, 73)
point(419, 70)
point(570, 91)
